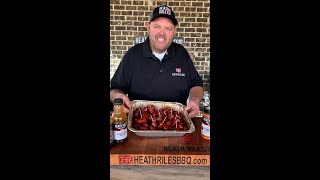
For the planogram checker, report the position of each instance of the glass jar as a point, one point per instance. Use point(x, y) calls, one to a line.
point(111, 133)
point(119, 122)
point(205, 126)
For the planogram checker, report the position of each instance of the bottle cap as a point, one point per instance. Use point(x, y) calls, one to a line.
point(117, 101)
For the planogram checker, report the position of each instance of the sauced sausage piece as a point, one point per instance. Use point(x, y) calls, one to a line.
point(150, 118)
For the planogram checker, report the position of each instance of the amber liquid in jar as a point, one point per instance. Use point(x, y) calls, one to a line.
point(205, 126)
point(119, 121)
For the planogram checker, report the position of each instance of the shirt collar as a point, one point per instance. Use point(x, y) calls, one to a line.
point(146, 48)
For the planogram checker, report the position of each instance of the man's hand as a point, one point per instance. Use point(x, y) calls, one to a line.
point(126, 103)
point(119, 94)
point(195, 96)
point(193, 108)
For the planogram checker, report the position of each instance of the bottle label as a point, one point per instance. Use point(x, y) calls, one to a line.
point(120, 131)
point(206, 121)
point(111, 135)
point(205, 129)
point(120, 126)
point(120, 134)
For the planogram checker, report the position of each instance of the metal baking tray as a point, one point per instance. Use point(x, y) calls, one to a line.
point(158, 105)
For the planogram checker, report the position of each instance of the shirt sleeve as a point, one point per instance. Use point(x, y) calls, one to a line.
point(121, 80)
point(195, 78)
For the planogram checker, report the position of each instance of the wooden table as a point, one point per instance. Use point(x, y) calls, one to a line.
point(185, 157)
point(159, 172)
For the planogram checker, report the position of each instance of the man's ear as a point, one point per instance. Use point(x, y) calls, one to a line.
point(147, 25)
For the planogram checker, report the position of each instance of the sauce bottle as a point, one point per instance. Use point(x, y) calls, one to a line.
point(111, 133)
point(205, 126)
point(119, 121)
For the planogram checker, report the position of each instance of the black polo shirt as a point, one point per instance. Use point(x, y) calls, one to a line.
point(143, 76)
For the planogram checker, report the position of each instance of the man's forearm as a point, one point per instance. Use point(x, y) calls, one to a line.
point(196, 93)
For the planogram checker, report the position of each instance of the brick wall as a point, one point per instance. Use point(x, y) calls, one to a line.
point(128, 18)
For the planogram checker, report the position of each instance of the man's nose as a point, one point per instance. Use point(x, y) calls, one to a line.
point(162, 30)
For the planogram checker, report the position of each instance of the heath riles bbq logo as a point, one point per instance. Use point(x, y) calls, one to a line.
point(178, 72)
point(125, 159)
point(164, 10)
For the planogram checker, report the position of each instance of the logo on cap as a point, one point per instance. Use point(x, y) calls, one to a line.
point(164, 10)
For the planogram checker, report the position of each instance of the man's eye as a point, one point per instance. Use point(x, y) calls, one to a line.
point(169, 29)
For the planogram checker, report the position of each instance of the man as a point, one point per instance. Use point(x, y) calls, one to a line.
point(158, 69)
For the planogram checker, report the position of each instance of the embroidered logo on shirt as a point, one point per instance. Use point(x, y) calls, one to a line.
point(178, 72)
